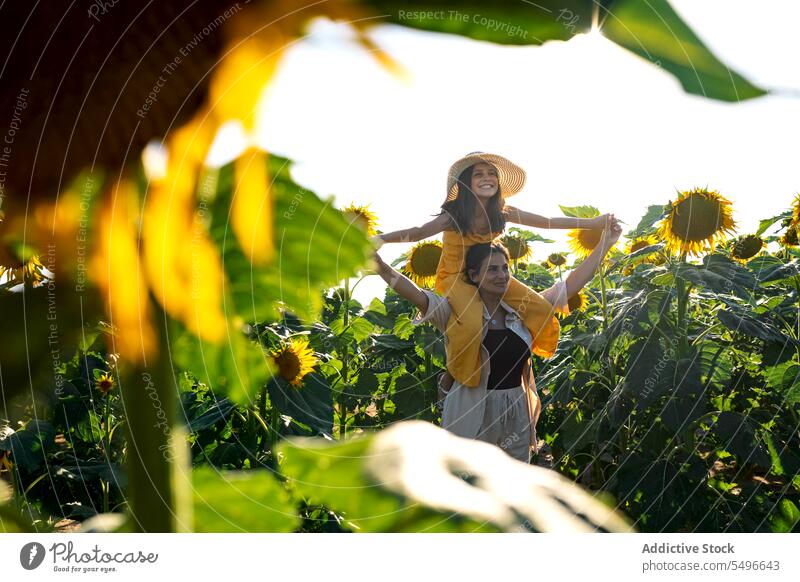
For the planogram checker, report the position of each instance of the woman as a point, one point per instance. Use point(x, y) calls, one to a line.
point(475, 212)
point(504, 407)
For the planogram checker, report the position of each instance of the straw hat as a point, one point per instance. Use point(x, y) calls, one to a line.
point(510, 176)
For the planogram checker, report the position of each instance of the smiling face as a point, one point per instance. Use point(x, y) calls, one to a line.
point(484, 180)
point(493, 276)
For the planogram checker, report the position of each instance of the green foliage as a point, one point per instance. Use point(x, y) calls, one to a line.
point(580, 211)
point(241, 502)
point(652, 30)
point(655, 32)
point(335, 476)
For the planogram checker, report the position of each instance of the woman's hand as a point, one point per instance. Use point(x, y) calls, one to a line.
point(400, 283)
point(602, 221)
point(612, 231)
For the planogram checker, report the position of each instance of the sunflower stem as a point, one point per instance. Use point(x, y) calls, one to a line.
point(262, 414)
point(603, 295)
point(797, 288)
point(345, 364)
point(683, 296)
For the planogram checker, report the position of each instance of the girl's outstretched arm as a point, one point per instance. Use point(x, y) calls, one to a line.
point(402, 284)
point(415, 233)
point(524, 218)
point(583, 273)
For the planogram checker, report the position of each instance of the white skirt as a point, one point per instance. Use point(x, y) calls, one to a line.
point(506, 422)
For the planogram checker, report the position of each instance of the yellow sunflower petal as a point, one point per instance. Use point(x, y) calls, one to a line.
point(120, 276)
point(182, 264)
point(251, 214)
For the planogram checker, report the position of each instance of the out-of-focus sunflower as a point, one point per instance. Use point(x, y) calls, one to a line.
point(423, 260)
point(746, 247)
point(577, 302)
point(796, 210)
point(13, 271)
point(555, 260)
point(5, 461)
point(789, 238)
point(361, 216)
point(699, 217)
point(639, 243)
point(582, 241)
point(518, 247)
point(105, 383)
point(294, 360)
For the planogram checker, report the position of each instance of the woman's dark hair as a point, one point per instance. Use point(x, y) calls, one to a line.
point(462, 210)
point(478, 253)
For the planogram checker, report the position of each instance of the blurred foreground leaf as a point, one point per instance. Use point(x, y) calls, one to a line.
point(241, 501)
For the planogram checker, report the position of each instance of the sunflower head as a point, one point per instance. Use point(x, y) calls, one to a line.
point(699, 217)
point(5, 461)
point(582, 241)
point(294, 360)
point(789, 238)
point(361, 216)
point(577, 302)
point(518, 247)
point(104, 382)
point(423, 260)
point(29, 271)
point(639, 243)
point(555, 260)
point(795, 210)
point(747, 247)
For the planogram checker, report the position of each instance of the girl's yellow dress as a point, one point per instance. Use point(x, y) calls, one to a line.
point(466, 322)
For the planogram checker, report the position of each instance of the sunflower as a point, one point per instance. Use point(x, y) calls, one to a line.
point(555, 260)
point(699, 217)
point(105, 383)
point(518, 247)
point(746, 247)
point(294, 360)
point(789, 238)
point(361, 216)
point(577, 302)
point(423, 260)
point(5, 461)
point(22, 272)
point(796, 210)
point(582, 241)
point(639, 243)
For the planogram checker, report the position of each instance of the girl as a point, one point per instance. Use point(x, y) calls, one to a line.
point(504, 407)
point(475, 212)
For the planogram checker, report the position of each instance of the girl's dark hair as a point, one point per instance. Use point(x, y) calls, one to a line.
point(478, 253)
point(462, 210)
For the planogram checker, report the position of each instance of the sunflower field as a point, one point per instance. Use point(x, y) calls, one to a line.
point(183, 350)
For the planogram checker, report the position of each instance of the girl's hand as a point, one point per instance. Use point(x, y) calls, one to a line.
point(377, 241)
point(602, 221)
point(613, 230)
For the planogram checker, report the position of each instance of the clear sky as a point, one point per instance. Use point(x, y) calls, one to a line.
point(590, 122)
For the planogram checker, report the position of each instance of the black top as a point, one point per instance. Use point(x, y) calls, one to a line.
point(508, 354)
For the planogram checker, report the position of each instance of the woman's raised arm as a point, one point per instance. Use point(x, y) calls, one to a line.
point(415, 233)
point(402, 284)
